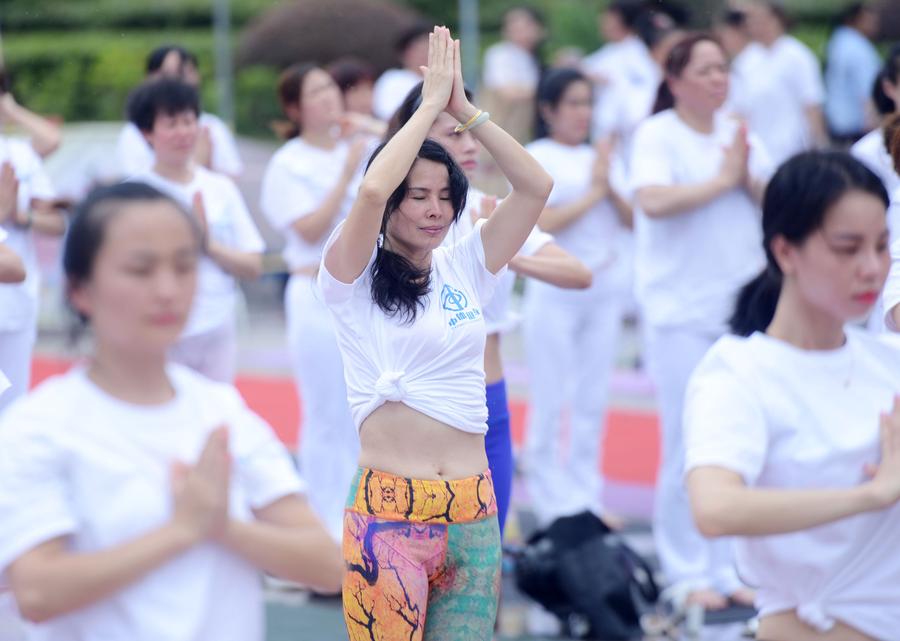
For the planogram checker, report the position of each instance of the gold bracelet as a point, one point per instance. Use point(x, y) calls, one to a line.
point(460, 128)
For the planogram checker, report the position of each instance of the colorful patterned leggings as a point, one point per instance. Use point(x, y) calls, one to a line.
point(416, 547)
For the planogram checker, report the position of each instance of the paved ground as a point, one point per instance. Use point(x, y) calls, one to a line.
point(85, 157)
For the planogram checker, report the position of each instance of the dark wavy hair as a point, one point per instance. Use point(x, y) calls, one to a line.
point(399, 287)
point(796, 203)
point(890, 72)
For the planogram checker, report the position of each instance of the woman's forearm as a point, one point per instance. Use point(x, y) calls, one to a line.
point(49, 581)
point(553, 219)
point(736, 510)
point(671, 200)
point(312, 226)
point(240, 264)
point(555, 266)
point(305, 554)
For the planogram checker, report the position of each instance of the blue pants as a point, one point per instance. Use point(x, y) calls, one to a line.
point(498, 444)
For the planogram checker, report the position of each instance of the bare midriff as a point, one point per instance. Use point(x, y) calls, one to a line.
point(787, 626)
point(402, 441)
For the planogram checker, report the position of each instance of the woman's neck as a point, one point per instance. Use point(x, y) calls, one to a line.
point(561, 140)
point(138, 378)
point(179, 172)
point(701, 122)
point(320, 137)
point(419, 259)
point(800, 324)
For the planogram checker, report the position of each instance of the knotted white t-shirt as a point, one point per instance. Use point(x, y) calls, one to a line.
point(435, 364)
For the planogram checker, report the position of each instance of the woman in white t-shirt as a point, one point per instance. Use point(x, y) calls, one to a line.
point(140, 500)
point(512, 68)
point(785, 421)
point(571, 336)
point(421, 540)
point(871, 148)
point(25, 212)
point(540, 258)
point(166, 111)
point(307, 190)
point(697, 178)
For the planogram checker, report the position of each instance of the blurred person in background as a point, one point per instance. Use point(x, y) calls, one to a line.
point(512, 68)
point(307, 190)
point(571, 335)
point(698, 177)
point(393, 85)
point(166, 111)
point(44, 135)
point(356, 80)
point(216, 147)
point(139, 499)
point(873, 149)
point(785, 80)
point(852, 64)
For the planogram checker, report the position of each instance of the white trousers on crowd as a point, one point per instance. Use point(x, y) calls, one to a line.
point(16, 349)
point(571, 338)
point(329, 443)
point(212, 353)
point(688, 559)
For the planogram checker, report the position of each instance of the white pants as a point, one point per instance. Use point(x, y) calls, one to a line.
point(329, 443)
point(688, 558)
point(570, 340)
point(16, 349)
point(212, 353)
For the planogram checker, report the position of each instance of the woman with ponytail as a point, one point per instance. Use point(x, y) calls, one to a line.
point(307, 190)
point(792, 426)
point(697, 177)
point(421, 540)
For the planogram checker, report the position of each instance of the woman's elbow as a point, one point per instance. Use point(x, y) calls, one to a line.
point(33, 605)
point(372, 194)
point(710, 518)
point(581, 276)
point(543, 185)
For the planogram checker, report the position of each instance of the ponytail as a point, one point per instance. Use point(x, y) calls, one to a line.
point(756, 302)
point(664, 98)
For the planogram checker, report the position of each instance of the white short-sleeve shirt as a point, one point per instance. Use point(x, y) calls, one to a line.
point(434, 365)
point(785, 80)
point(78, 463)
point(298, 178)
point(890, 295)
point(787, 418)
point(870, 150)
point(498, 317)
point(508, 65)
point(19, 301)
point(229, 223)
point(690, 266)
point(134, 154)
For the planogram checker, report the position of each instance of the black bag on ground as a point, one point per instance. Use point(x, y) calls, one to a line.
point(582, 572)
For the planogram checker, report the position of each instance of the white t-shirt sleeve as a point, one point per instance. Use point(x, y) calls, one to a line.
point(35, 505)
point(810, 85)
point(246, 234)
point(536, 240)
point(333, 290)
point(650, 161)
point(285, 197)
point(225, 156)
point(262, 465)
point(723, 423)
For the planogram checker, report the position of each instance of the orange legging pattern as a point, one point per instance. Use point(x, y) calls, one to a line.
point(422, 559)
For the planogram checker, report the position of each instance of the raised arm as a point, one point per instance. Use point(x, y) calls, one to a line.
point(506, 230)
point(724, 506)
point(349, 254)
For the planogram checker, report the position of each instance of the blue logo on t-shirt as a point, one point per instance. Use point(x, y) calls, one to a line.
point(453, 300)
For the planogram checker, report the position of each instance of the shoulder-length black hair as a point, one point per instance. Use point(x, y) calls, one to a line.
point(795, 205)
point(399, 287)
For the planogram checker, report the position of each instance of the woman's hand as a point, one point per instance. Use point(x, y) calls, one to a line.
point(736, 162)
point(885, 481)
point(459, 106)
point(438, 84)
point(200, 492)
